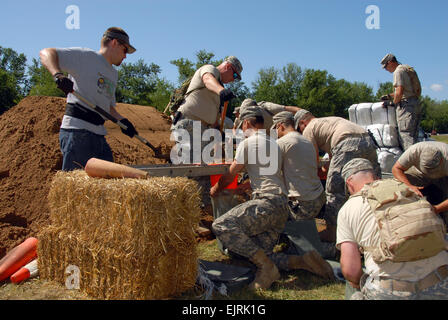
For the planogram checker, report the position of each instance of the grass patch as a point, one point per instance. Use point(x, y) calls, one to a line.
point(440, 138)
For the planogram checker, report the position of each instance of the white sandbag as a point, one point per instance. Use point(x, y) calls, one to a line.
point(387, 158)
point(381, 115)
point(364, 114)
point(386, 136)
point(352, 113)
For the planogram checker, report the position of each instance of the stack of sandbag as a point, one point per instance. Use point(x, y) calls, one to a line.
point(382, 123)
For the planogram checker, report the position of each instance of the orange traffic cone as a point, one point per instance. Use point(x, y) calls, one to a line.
point(28, 271)
point(18, 257)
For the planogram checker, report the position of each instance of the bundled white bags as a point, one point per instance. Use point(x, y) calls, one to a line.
point(385, 135)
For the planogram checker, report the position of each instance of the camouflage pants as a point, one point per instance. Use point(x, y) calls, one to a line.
point(343, 152)
point(436, 190)
point(253, 225)
point(372, 290)
point(408, 120)
point(306, 210)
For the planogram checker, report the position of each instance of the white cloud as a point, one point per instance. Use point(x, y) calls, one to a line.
point(436, 87)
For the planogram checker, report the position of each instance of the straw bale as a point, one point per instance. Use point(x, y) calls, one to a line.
point(111, 273)
point(128, 213)
point(130, 238)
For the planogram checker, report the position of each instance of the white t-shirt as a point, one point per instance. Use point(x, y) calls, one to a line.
point(262, 158)
point(94, 79)
point(356, 223)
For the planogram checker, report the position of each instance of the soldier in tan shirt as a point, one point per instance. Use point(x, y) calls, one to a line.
point(342, 140)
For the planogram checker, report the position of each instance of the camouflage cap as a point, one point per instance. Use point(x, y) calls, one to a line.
point(300, 115)
point(354, 166)
point(250, 112)
point(387, 58)
point(248, 102)
point(236, 110)
point(432, 162)
point(282, 117)
point(236, 64)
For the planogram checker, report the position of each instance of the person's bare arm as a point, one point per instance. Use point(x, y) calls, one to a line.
point(292, 109)
point(399, 173)
point(49, 59)
point(114, 113)
point(351, 263)
point(211, 83)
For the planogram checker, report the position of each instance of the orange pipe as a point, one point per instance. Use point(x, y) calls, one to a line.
point(97, 168)
point(18, 257)
point(26, 272)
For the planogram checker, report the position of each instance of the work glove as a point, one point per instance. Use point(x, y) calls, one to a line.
point(130, 131)
point(388, 103)
point(226, 95)
point(386, 97)
point(63, 83)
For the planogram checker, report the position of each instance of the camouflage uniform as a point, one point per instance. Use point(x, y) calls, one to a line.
point(408, 119)
point(305, 210)
point(372, 290)
point(356, 146)
point(255, 224)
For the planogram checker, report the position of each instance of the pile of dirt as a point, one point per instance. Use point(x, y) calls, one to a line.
point(30, 156)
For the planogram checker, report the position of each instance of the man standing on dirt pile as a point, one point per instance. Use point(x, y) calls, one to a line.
point(405, 99)
point(424, 168)
point(418, 267)
point(93, 76)
point(269, 109)
point(204, 98)
point(252, 229)
point(343, 140)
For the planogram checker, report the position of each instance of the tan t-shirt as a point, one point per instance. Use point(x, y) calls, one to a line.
point(262, 158)
point(300, 167)
point(201, 104)
point(327, 132)
point(411, 157)
point(401, 78)
point(356, 223)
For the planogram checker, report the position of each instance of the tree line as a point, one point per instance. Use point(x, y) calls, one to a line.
point(143, 84)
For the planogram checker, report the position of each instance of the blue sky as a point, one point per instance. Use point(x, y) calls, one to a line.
point(318, 34)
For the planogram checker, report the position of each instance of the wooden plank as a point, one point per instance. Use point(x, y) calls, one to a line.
point(168, 170)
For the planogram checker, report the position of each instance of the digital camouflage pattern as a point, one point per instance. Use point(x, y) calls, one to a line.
point(305, 210)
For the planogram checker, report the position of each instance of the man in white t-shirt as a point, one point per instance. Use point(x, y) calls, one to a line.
point(357, 228)
point(93, 76)
point(252, 229)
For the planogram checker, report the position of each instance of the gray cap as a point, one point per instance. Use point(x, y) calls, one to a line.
point(300, 115)
point(250, 112)
point(122, 37)
point(236, 64)
point(387, 58)
point(248, 102)
point(354, 166)
point(236, 110)
point(430, 161)
point(282, 117)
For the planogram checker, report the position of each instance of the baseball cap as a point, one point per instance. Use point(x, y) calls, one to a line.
point(250, 112)
point(282, 117)
point(430, 162)
point(237, 109)
point(387, 58)
point(299, 115)
point(121, 36)
point(236, 64)
point(354, 166)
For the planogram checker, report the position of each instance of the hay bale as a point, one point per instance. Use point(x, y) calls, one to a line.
point(130, 238)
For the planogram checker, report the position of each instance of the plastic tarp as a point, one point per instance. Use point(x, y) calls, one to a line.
point(364, 114)
point(387, 158)
point(385, 135)
point(381, 115)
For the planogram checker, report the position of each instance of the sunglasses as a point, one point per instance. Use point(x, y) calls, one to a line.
point(124, 45)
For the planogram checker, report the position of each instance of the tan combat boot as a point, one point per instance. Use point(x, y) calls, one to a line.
point(267, 271)
point(312, 262)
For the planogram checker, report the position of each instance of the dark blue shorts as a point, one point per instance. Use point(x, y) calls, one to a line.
point(78, 146)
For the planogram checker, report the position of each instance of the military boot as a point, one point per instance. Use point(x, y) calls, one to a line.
point(312, 262)
point(267, 271)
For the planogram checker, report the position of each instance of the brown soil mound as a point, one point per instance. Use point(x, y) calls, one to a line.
point(30, 157)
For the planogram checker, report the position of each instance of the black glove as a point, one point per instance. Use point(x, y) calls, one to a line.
point(63, 83)
point(130, 131)
point(226, 95)
point(388, 103)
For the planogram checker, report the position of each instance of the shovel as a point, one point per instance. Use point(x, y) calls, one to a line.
point(157, 151)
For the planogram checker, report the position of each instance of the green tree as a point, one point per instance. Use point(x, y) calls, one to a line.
point(161, 94)
point(8, 91)
point(187, 68)
point(15, 64)
point(384, 89)
point(137, 82)
point(41, 82)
